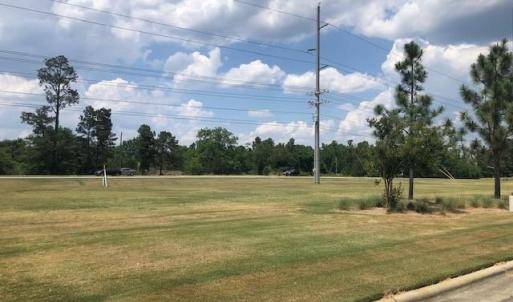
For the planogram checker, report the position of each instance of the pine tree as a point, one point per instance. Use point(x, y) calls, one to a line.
point(56, 78)
point(415, 109)
point(492, 104)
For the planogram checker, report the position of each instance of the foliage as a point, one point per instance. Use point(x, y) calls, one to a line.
point(345, 204)
point(96, 137)
point(422, 140)
point(492, 104)
point(145, 148)
point(55, 78)
point(166, 149)
point(389, 133)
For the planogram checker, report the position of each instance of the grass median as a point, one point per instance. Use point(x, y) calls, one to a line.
point(217, 239)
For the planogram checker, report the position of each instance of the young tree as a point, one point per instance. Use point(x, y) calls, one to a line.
point(166, 146)
point(414, 108)
point(389, 130)
point(492, 104)
point(145, 147)
point(56, 78)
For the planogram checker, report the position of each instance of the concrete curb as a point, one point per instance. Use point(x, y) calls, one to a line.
point(449, 284)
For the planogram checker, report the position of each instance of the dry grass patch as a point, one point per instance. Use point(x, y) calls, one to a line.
point(232, 239)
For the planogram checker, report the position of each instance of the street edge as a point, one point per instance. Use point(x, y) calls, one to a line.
point(449, 284)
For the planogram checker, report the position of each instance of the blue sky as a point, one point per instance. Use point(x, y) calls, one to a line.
point(256, 81)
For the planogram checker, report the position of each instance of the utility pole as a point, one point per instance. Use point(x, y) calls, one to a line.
point(317, 155)
point(121, 153)
point(317, 102)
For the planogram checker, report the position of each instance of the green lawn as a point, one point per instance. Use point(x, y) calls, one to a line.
point(232, 239)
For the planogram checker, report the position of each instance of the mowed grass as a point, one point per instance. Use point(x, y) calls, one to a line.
point(233, 239)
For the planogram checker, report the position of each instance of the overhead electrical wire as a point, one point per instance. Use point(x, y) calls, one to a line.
point(140, 102)
point(286, 99)
point(203, 32)
point(359, 37)
point(172, 37)
point(165, 116)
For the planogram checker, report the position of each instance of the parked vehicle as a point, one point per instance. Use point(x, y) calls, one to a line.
point(117, 172)
point(290, 172)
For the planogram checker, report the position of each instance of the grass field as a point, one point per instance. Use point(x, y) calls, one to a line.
point(229, 239)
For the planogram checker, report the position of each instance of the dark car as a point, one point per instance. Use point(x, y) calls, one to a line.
point(290, 172)
point(116, 172)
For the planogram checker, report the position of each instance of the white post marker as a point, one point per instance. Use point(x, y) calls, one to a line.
point(105, 183)
point(511, 202)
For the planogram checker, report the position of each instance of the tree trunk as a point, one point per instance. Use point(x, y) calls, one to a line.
point(55, 138)
point(389, 187)
point(497, 178)
point(410, 185)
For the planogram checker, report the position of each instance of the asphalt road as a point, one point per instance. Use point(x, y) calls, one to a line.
point(168, 176)
point(495, 289)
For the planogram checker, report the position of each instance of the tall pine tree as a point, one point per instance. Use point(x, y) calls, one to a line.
point(492, 104)
point(415, 109)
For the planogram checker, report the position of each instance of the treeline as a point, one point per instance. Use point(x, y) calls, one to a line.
point(215, 151)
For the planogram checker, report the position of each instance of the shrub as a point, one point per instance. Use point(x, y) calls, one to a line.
point(488, 203)
point(400, 207)
point(503, 204)
point(451, 205)
point(377, 200)
point(366, 204)
point(475, 203)
point(369, 202)
point(410, 206)
point(423, 206)
point(394, 198)
point(345, 205)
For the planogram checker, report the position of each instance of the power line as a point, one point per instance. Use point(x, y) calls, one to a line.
point(228, 37)
point(156, 71)
point(172, 37)
point(139, 102)
point(166, 116)
point(276, 10)
point(183, 90)
point(285, 99)
point(246, 97)
point(359, 37)
point(293, 88)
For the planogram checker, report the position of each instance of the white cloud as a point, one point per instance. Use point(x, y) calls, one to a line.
point(301, 131)
point(346, 107)
point(117, 89)
point(194, 65)
point(354, 126)
point(437, 20)
point(260, 113)
point(10, 124)
point(193, 109)
point(255, 71)
point(333, 80)
point(9, 82)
